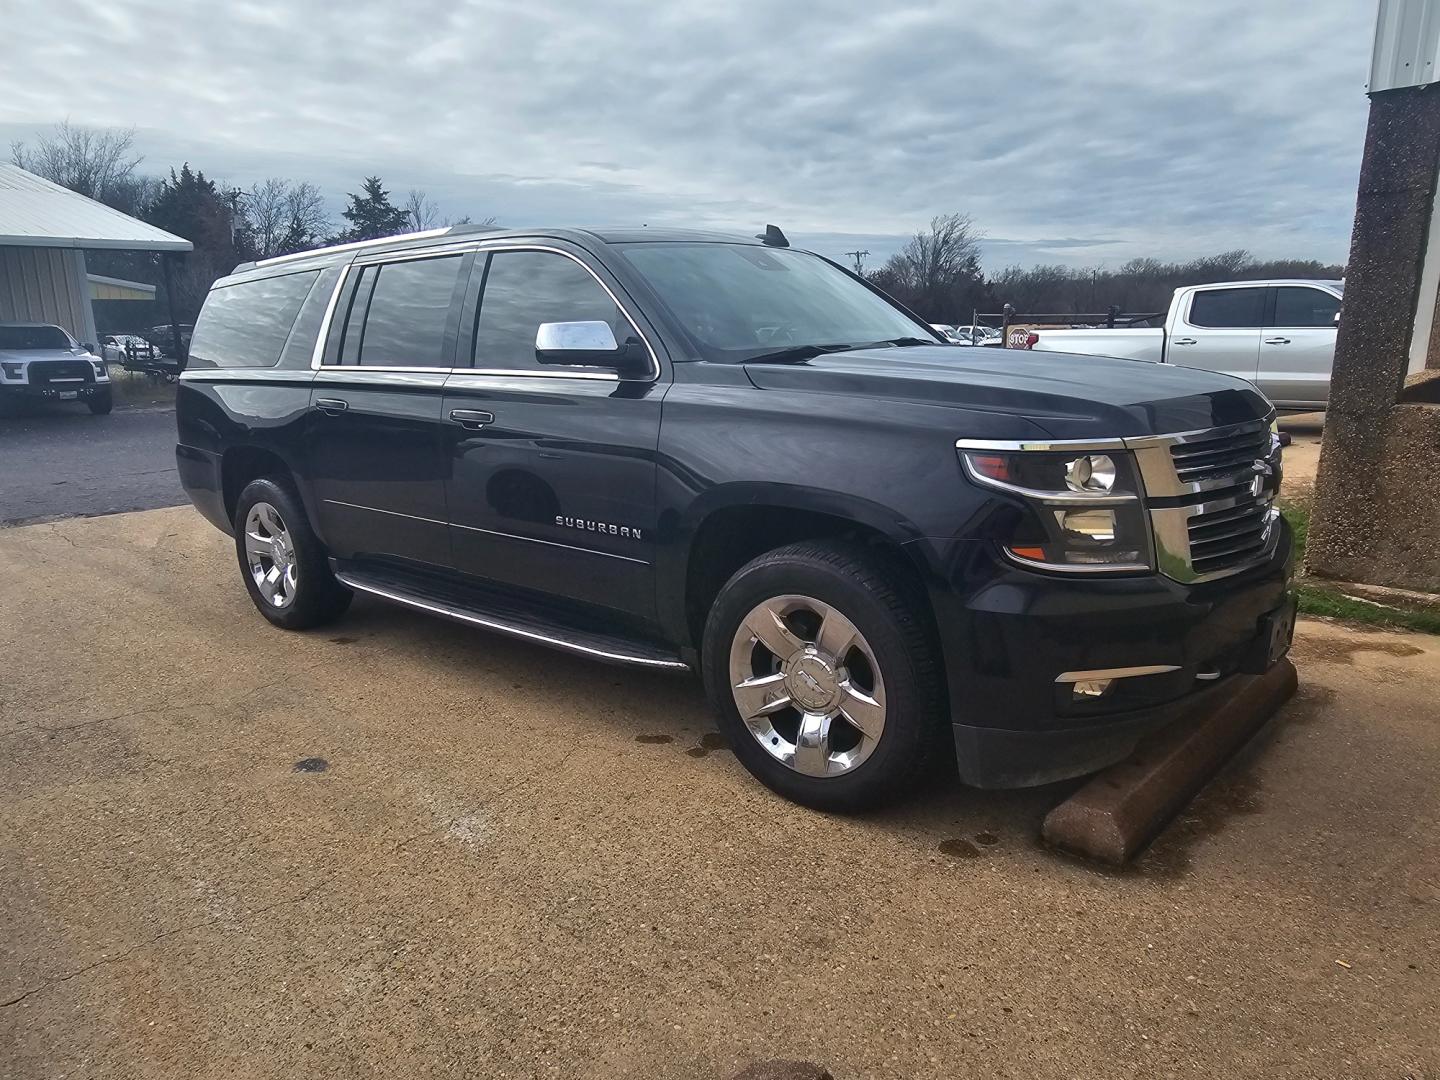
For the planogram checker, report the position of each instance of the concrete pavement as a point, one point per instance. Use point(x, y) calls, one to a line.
point(517, 863)
point(60, 461)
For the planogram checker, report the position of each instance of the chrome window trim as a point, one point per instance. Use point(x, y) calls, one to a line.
point(1115, 673)
point(381, 258)
point(502, 246)
point(247, 375)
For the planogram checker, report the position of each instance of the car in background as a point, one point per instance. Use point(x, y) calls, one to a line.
point(1277, 334)
point(115, 347)
point(978, 335)
point(946, 331)
point(162, 338)
point(41, 362)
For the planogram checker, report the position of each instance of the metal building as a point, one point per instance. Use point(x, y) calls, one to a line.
point(45, 231)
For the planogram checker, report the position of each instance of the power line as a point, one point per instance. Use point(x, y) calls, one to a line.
point(859, 257)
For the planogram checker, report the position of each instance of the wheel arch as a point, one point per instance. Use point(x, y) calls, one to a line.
point(239, 465)
point(729, 527)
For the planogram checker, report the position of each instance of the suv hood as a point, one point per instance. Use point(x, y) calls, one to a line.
point(25, 356)
point(1069, 395)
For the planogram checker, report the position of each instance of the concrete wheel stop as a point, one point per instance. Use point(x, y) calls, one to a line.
point(1121, 809)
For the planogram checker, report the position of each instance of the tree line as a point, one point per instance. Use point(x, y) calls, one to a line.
point(937, 273)
point(228, 225)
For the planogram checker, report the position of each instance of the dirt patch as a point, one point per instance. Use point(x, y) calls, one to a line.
point(1344, 650)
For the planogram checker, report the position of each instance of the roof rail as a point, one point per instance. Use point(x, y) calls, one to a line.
point(356, 245)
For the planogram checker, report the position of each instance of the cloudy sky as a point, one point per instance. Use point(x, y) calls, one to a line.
point(1071, 132)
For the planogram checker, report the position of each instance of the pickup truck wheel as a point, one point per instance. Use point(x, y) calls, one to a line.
point(282, 560)
point(823, 675)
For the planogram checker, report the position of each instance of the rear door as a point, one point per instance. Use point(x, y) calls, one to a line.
point(551, 470)
point(374, 430)
point(1218, 329)
point(1297, 348)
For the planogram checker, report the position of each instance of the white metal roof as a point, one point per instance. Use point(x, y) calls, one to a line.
point(36, 213)
point(1407, 45)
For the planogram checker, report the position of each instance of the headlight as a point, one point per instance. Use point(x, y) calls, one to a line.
point(13, 371)
point(1084, 507)
point(101, 372)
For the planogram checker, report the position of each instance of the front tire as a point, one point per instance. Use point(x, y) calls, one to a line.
point(101, 404)
point(285, 567)
point(818, 659)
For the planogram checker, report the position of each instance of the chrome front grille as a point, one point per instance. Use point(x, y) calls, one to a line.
point(1222, 457)
point(1211, 498)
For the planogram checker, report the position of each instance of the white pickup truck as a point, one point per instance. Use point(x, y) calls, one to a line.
point(1278, 334)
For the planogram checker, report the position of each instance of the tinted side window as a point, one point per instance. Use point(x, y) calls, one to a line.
point(301, 344)
point(405, 320)
point(1304, 307)
point(246, 325)
point(526, 288)
point(1227, 307)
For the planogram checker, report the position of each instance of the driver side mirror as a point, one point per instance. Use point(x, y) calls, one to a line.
point(589, 344)
point(89, 346)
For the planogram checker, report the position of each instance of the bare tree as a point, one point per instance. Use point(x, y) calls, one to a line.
point(938, 271)
point(423, 212)
point(99, 164)
point(284, 216)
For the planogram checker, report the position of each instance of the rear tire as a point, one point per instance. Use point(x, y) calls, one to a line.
point(285, 567)
point(836, 669)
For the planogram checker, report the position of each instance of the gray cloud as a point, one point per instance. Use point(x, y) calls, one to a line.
point(1121, 129)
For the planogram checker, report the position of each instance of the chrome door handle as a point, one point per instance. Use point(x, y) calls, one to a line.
point(1184, 341)
point(472, 418)
point(1277, 341)
point(331, 405)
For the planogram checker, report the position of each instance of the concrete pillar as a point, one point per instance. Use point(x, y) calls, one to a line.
point(1377, 497)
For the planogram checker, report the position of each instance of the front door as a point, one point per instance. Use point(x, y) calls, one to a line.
point(1297, 347)
point(1220, 331)
point(375, 430)
point(552, 470)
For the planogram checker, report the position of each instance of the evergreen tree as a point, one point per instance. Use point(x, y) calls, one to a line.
point(372, 215)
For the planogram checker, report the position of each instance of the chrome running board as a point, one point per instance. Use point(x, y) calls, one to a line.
point(503, 617)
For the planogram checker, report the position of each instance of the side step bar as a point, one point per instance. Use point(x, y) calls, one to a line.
point(506, 618)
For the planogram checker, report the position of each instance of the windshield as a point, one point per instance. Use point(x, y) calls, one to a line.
point(34, 337)
point(740, 301)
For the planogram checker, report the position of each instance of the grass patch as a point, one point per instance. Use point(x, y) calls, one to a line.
point(1325, 601)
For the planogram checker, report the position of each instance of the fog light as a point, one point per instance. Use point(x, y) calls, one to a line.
point(1098, 525)
point(1093, 472)
point(1091, 688)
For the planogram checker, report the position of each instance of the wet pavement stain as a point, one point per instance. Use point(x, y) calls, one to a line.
point(959, 848)
point(1308, 704)
point(986, 838)
point(783, 1070)
point(654, 739)
point(311, 765)
point(1342, 651)
point(1208, 815)
point(344, 640)
point(711, 740)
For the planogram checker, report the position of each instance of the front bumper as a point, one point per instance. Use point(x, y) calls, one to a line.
point(1008, 634)
point(75, 392)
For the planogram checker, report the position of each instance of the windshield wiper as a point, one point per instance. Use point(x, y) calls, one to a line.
point(797, 353)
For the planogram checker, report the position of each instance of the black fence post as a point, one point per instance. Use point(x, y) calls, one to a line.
point(1006, 314)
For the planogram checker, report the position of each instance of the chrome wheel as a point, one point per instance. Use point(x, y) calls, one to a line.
point(270, 555)
point(807, 685)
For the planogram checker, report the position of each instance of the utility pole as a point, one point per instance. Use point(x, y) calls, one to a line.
point(859, 257)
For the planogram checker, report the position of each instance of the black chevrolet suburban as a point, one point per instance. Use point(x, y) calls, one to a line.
point(682, 450)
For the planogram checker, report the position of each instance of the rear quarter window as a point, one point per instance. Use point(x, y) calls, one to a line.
point(246, 325)
point(1227, 308)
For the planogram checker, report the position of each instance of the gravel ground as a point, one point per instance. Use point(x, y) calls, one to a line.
point(509, 862)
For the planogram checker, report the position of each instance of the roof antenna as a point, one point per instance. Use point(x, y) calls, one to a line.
point(772, 237)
